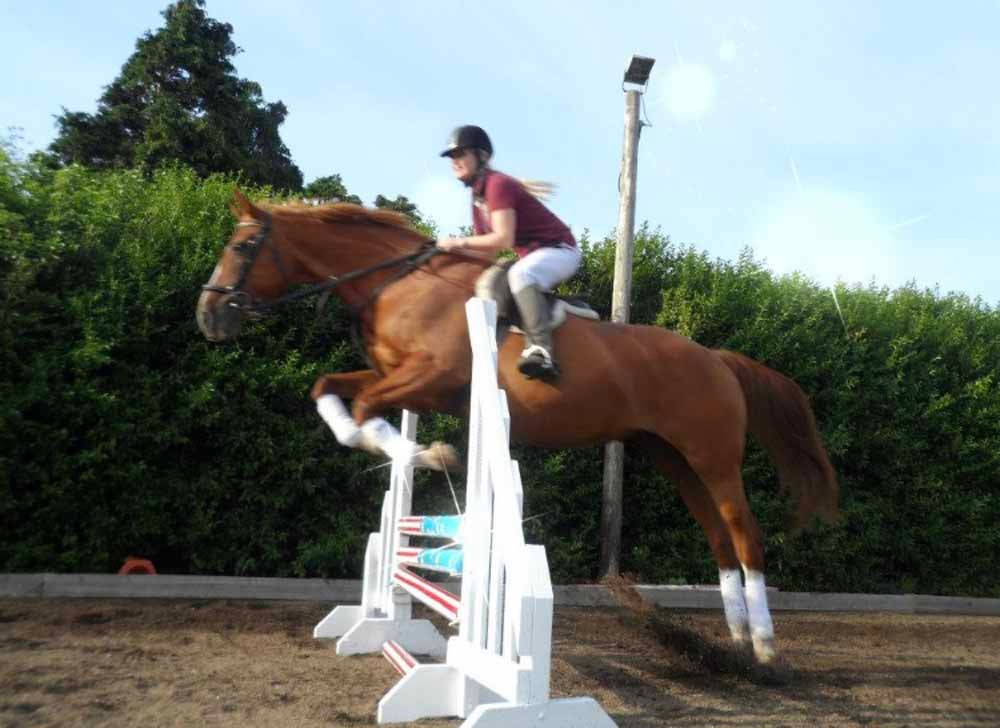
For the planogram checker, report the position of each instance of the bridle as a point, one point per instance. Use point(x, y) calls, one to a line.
point(249, 250)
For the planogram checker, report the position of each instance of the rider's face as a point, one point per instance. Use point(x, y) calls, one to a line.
point(464, 164)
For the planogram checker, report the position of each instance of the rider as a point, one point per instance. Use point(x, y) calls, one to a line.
point(507, 213)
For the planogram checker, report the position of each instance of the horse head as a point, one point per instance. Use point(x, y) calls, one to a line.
point(243, 277)
point(351, 250)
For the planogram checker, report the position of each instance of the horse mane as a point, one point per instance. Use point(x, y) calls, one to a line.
point(340, 212)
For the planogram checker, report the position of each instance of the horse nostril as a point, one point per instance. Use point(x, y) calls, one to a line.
point(227, 317)
point(218, 319)
point(203, 315)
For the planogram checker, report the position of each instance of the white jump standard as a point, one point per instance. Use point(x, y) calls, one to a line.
point(496, 670)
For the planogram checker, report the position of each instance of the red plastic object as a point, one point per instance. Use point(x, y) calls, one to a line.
point(135, 565)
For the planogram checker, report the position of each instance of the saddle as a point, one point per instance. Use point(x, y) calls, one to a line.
point(492, 285)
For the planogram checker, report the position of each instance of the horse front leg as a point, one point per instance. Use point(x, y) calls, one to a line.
point(345, 385)
point(417, 383)
point(327, 392)
point(373, 395)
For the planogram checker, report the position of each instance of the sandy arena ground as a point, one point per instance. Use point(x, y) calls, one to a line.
point(225, 663)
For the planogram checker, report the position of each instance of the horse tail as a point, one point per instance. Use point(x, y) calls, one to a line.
point(780, 417)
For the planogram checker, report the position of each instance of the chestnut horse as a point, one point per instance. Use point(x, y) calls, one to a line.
point(687, 406)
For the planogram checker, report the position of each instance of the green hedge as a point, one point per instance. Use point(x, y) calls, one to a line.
point(123, 432)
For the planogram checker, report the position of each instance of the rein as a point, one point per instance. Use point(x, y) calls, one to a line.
point(409, 263)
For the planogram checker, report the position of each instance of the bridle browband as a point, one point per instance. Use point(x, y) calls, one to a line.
point(249, 250)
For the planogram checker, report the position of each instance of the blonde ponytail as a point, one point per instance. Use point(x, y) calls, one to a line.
point(538, 189)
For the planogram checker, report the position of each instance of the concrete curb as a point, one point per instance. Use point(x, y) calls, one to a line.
point(707, 597)
point(113, 586)
point(143, 586)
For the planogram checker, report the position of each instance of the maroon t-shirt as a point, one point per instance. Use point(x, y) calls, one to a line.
point(536, 228)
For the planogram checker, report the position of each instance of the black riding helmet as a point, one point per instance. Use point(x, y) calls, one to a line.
point(468, 137)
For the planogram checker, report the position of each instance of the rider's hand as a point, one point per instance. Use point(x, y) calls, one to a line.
point(453, 243)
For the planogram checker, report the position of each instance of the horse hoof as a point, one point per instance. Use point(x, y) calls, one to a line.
point(764, 650)
point(740, 634)
point(438, 456)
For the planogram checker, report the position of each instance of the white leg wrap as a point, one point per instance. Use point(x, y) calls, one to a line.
point(335, 414)
point(386, 438)
point(731, 586)
point(756, 595)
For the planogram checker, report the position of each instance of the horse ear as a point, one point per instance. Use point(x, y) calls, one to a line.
point(240, 206)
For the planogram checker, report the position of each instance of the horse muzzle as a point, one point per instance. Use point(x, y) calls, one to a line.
point(220, 317)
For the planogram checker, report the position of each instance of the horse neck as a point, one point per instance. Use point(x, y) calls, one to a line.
point(337, 249)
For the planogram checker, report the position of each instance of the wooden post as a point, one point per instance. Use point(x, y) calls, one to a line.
point(614, 454)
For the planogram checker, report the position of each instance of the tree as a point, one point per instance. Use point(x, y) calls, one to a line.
point(400, 204)
point(178, 98)
point(330, 189)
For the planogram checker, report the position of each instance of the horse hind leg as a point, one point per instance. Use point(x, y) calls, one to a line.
point(701, 505)
point(725, 487)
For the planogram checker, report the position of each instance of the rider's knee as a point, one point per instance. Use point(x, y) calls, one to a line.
point(520, 276)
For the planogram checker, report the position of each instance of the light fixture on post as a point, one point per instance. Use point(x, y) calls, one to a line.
point(636, 77)
point(637, 73)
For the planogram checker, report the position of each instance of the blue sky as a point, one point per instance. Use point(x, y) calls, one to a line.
point(851, 141)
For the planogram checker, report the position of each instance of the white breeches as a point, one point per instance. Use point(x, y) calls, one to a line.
point(544, 268)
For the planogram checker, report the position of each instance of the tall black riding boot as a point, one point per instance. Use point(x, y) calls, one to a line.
point(536, 360)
